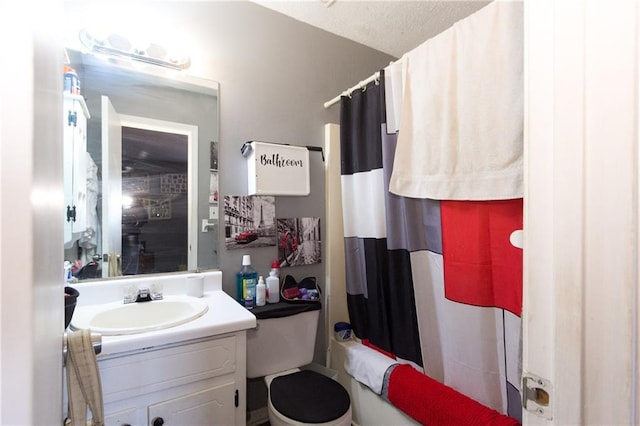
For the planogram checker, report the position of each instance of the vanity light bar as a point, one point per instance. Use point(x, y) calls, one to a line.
point(141, 58)
point(104, 47)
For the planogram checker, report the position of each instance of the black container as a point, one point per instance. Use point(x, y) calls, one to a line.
point(70, 299)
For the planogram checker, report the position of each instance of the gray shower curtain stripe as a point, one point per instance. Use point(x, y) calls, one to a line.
point(380, 296)
point(405, 214)
point(356, 275)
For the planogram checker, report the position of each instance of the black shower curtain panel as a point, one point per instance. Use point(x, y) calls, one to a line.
point(380, 293)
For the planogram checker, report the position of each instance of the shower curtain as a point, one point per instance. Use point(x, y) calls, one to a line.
point(437, 283)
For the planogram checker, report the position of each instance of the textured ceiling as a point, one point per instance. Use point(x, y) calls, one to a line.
point(392, 26)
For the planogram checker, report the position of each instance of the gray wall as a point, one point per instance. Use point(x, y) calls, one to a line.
point(275, 73)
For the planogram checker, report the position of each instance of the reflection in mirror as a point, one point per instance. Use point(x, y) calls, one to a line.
point(154, 201)
point(138, 169)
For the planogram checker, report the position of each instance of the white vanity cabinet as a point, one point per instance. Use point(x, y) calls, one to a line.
point(199, 382)
point(75, 116)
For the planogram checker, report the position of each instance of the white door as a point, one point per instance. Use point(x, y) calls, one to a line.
point(111, 185)
point(581, 210)
point(30, 209)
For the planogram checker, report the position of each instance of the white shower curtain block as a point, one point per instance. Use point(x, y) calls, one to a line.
point(472, 349)
point(369, 205)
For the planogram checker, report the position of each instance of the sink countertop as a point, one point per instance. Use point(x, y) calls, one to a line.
point(225, 314)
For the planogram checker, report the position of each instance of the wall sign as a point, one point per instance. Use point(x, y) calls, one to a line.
point(276, 169)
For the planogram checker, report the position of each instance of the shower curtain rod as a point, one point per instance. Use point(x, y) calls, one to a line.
point(350, 90)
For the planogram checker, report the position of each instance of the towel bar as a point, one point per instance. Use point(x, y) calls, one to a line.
point(96, 341)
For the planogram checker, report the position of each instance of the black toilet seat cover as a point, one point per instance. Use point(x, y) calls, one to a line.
point(309, 397)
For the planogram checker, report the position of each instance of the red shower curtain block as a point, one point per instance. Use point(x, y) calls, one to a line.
point(481, 267)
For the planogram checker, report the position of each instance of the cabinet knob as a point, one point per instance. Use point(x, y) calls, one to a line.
point(158, 421)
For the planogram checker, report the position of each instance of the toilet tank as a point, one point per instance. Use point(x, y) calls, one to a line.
point(284, 338)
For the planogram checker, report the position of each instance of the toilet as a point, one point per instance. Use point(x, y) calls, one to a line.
point(282, 342)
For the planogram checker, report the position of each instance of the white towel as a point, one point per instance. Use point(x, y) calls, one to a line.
point(461, 131)
point(394, 93)
point(367, 366)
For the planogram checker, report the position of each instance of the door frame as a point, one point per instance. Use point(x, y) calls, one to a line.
point(191, 132)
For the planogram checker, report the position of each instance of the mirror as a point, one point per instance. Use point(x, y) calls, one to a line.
point(140, 169)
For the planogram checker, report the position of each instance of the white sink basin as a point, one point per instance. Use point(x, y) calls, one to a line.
point(117, 318)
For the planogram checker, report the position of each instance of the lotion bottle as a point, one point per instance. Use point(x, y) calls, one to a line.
point(261, 292)
point(273, 284)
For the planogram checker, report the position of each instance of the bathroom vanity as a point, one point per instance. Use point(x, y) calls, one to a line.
point(190, 374)
point(198, 382)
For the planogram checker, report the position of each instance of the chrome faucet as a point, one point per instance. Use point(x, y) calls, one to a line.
point(143, 295)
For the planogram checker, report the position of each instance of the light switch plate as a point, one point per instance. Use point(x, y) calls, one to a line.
point(213, 212)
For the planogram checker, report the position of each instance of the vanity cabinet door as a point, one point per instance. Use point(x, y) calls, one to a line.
point(213, 406)
point(201, 383)
point(74, 118)
point(160, 370)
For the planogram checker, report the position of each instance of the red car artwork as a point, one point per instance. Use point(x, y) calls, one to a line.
point(246, 237)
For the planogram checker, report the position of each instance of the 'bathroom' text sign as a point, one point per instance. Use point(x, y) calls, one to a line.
point(277, 169)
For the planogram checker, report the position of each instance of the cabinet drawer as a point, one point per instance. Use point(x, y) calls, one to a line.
point(147, 372)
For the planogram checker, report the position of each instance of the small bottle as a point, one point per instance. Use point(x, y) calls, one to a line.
point(273, 283)
point(246, 279)
point(275, 267)
point(261, 292)
point(67, 271)
point(248, 301)
point(71, 83)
